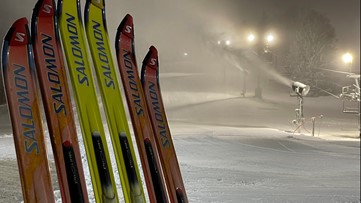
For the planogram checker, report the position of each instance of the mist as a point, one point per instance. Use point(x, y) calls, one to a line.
point(185, 34)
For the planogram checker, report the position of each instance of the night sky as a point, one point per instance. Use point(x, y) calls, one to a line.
point(344, 15)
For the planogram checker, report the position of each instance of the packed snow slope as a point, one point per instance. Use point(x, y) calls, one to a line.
point(236, 149)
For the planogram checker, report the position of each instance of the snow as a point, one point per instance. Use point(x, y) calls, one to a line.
point(238, 165)
point(235, 149)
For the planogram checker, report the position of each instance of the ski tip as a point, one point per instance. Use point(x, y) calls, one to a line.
point(126, 26)
point(150, 62)
point(152, 49)
point(44, 8)
point(18, 34)
point(152, 57)
point(97, 3)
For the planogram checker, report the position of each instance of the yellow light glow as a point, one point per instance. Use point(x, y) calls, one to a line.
point(347, 58)
point(251, 37)
point(270, 38)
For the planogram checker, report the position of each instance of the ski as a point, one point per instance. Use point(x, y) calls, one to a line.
point(167, 153)
point(57, 104)
point(138, 111)
point(19, 81)
point(76, 52)
point(98, 40)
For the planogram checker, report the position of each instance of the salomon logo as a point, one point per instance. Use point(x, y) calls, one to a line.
point(102, 55)
point(158, 115)
point(128, 29)
point(52, 73)
point(133, 85)
point(47, 8)
point(153, 61)
point(20, 37)
point(76, 50)
point(25, 110)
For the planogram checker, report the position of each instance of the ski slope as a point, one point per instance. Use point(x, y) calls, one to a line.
point(226, 154)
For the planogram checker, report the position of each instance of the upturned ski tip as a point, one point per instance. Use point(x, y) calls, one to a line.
point(44, 8)
point(151, 59)
point(97, 3)
point(18, 34)
point(126, 27)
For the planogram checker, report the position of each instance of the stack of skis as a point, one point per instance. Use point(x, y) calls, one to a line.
point(33, 58)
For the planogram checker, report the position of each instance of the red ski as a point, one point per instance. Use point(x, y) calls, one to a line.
point(20, 86)
point(167, 153)
point(138, 111)
point(57, 103)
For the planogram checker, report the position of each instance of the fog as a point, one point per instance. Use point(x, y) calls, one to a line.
point(185, 34)
point(190, 37)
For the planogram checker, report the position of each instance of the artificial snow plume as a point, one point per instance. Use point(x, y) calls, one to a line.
point(267, 69)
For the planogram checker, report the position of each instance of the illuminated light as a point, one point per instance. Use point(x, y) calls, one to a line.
point(270, 38)
point(228, 42)
point(347, 58)
point(251, 37)
point(219, 42)
point(185, 54)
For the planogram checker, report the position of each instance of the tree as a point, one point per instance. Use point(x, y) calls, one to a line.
point(311, 41)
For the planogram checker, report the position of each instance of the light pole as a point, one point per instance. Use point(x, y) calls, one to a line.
point(263, 50)
point(226, 45)
point(347, 59)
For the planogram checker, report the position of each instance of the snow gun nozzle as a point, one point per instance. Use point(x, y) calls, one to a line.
point(300, 88)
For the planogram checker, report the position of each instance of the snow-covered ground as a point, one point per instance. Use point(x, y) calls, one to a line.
point(226, 164)
point(235, 149)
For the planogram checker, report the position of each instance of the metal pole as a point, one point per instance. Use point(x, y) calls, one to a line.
point(313, 125)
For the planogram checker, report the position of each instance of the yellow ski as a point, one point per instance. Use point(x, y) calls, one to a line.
point(73, 39)
point(95, 26)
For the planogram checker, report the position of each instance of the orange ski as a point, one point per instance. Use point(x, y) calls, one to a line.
point(167, 154)
point(20, 86)
point(57, 103)
point(138, 111)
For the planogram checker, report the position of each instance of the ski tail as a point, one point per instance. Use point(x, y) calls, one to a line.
point(98, 40)
point(138, 111)
point(167, 153)
point(75, 49)
point(19, 80)
point(57, 104)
